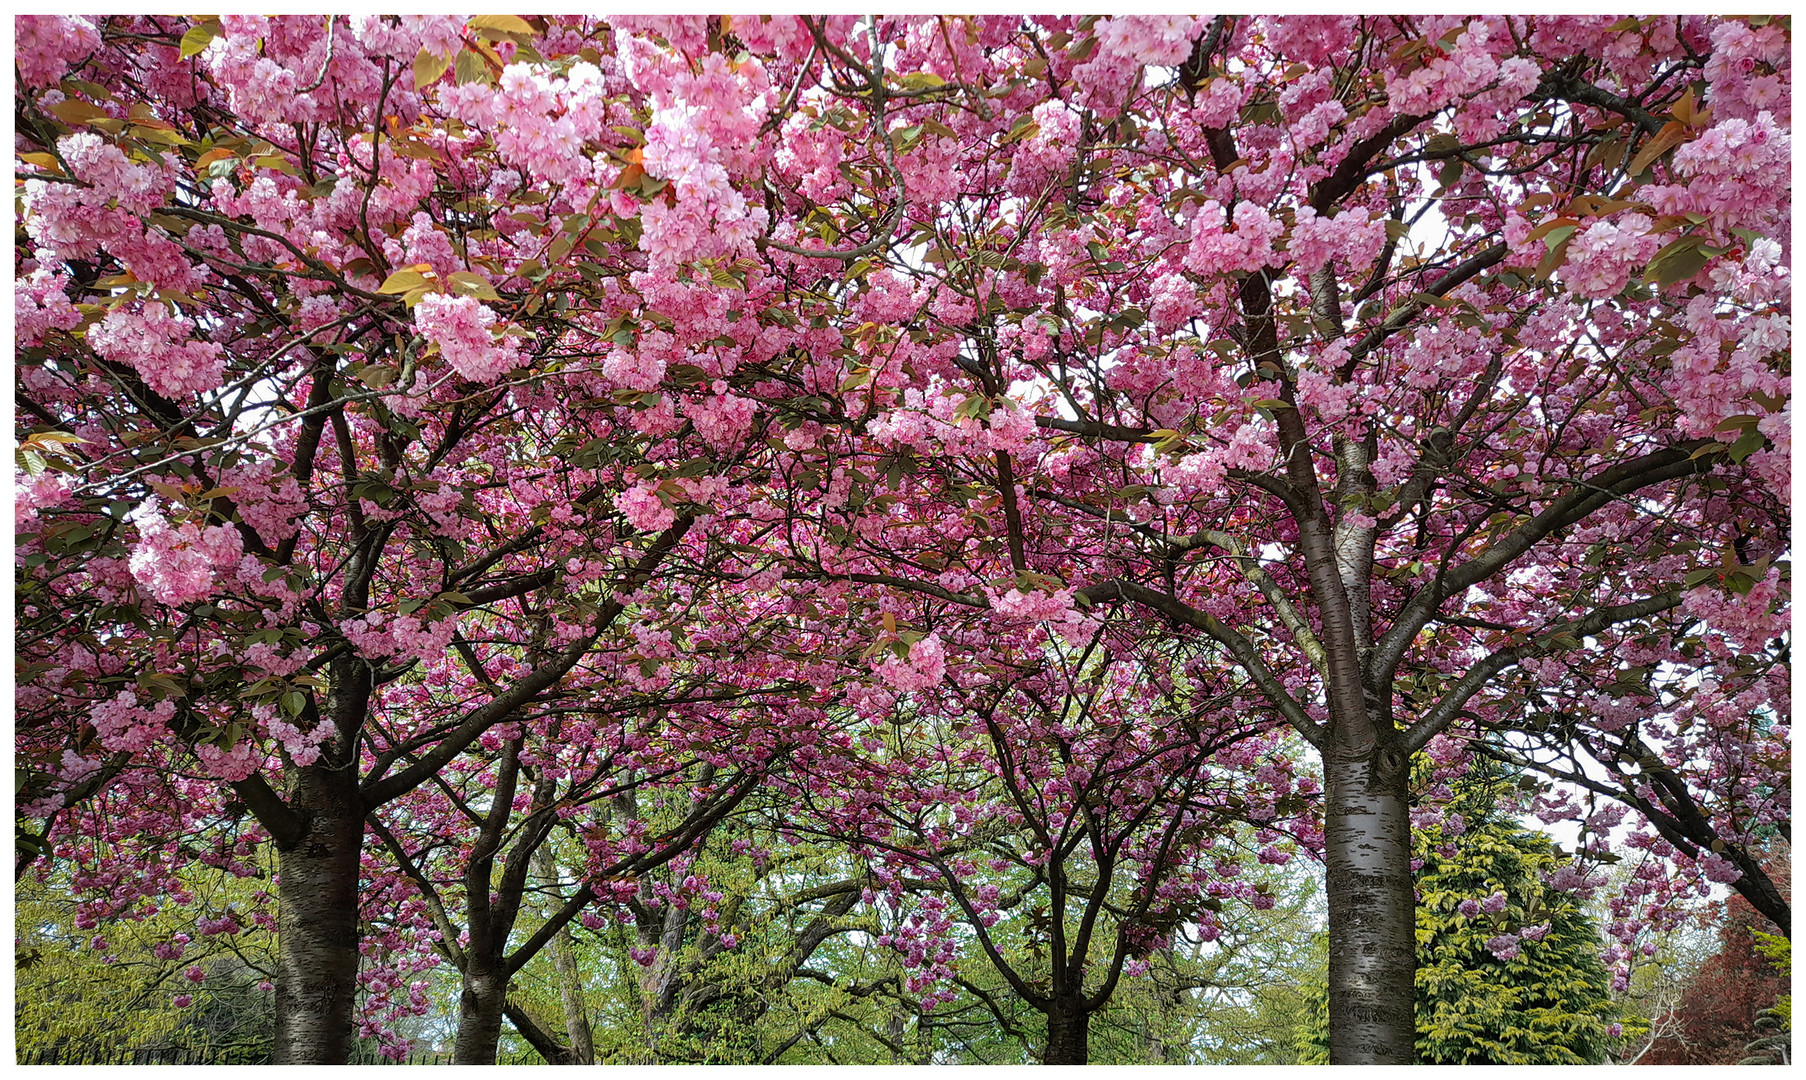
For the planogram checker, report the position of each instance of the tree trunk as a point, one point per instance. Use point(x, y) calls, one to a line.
point(1068, 1034)
point(480, 1013)
point(897, 1022)
point(570, 979)
point(317, 924)
point(661, 981)
point(1372, 914)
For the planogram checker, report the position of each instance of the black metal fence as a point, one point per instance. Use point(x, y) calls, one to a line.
point(88, 1052)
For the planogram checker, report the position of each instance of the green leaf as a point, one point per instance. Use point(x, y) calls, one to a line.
point(1672, 135)
point(471, 68)
point(402, 281)
point(77, 111)
point(921, 80)
point(1678, 261)
point(1025, 127)
point(199, 37)
point(976, 406)
point(469, 284)
point(501, 24)
point(428, 67)
point(1750, 442)
point(1557, 241)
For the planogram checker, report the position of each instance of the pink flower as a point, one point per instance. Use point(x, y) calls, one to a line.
point(1504, 946)
point(643, 508)
point(1719, 869)
point(922, 668)
point(1601, 260)
point(460, 326)
point(159, 346)
point(1032, 606)
point(181, 1001)
point(177, 565)
point(231, 765)
point(46, 45)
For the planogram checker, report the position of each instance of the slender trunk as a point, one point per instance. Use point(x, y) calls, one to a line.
point(480, 1013)
point(1068, 1033)
point(897, 1023)
point(317, 935)
point(1163, 1047)
point(1372, 914)
point(1760, 890)
point(581, 1043)
point(570, 989)
point(536, 1036)
point(661, 980)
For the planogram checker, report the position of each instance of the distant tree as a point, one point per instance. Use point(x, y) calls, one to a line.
point(1773, 1024)
point(1257, 984)
point(88, 993)
point(1508, 969)
point(1718, 1011)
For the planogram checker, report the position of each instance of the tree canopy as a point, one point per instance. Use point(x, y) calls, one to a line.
point(1005, 436)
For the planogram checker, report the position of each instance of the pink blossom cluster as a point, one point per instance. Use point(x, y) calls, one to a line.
point(232, 763)
point(72, 220)
point(644, 509)
point(380, 634)
point(921, 669)
point(1032, 606)
point(161, 348)
point(721, 418)
point(1729, 173)
point(267, 501)
point(1250, 247)
point(46, 46)
point(32, 495)
point(177, 565)
point(40, 305)
point(1603, 257)
point(1046, 156)
point(1125, 43)
point(1351, 237)
point(461, 327)
point(702, 132)
point(303, 747)
point(1738, 87)
point(122, 724)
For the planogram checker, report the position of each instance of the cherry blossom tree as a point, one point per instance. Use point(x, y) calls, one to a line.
point(478, 887)
point(1403, 359)
point(280, 443)
point(1404, 369)
point(1071, 808)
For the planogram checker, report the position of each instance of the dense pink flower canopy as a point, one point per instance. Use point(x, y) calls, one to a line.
point(915, 411)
